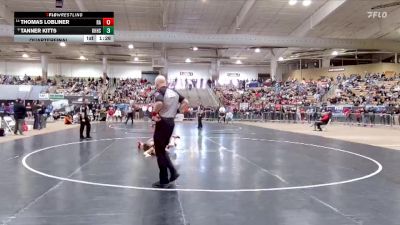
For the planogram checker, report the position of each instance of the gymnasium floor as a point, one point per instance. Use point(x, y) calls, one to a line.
point(230, 175)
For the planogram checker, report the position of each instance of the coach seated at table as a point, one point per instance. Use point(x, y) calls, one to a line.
point(325, 117)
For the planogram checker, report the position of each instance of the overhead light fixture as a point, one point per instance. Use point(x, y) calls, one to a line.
point(130, 46)
point(292, 2)
point(25, 55)
point(59, 3)
point(306, 2)
point(335, 53)
point(195, 48)
point(257, 50)
point(280, 58)
point(82, 57)
point(62, 44)
point(238, 61)
point(136, 59)
point(188, 60)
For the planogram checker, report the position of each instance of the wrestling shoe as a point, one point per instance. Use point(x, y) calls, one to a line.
point(159, 185)
point(174, 177)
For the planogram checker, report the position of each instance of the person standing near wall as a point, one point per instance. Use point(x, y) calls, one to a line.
point(167, 103)
point(84, 121)
point(36, 116)
point(19, 116)
point(43, 115)
point(200, 117)
point(137, 109)
point(221, 114)
point(129, 114)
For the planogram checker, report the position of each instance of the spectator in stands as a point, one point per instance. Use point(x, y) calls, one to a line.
point(19, 116)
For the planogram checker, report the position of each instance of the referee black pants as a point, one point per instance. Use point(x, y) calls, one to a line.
point(84, 124)
point(200, 122)
point(162, 135)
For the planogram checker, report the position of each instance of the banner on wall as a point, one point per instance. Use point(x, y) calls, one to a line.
point(24, 88)
point(186, 74)
point(233, 74)
point(335, 69)
point(43, 96)
point(56, 96)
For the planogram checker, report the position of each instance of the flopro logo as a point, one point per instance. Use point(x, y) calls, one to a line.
point(377, 15)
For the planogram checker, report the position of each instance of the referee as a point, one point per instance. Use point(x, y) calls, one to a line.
point(84, 120)
point(167, 102)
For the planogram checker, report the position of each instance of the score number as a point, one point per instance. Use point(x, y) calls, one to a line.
point(108, 25)
point(108, 21)
point(108, 30)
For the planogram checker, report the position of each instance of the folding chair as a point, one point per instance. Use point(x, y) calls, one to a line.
point(327, 124)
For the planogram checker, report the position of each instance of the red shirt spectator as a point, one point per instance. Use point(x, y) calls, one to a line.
point(111, 112)
point(325, 118)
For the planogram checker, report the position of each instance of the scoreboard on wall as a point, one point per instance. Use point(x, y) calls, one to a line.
point(64, 27)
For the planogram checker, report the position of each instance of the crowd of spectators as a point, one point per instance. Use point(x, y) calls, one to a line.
point(16, 80)
point(300, 98)
point(78, 86)
point(59, 84)
point(370, 89)
point(291, 92)
point(137, 90)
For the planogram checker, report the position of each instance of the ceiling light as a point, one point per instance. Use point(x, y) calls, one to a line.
point(82, 57)
point(25, 55)
point(238, 61)
point(280, 58)
point(257, 50)
point(292, 2)
point(195, 48)
point(130, 46)
point(62, 44)
point(188, 60)
point(306, 2)
point(335, 53)
point(136, 59)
